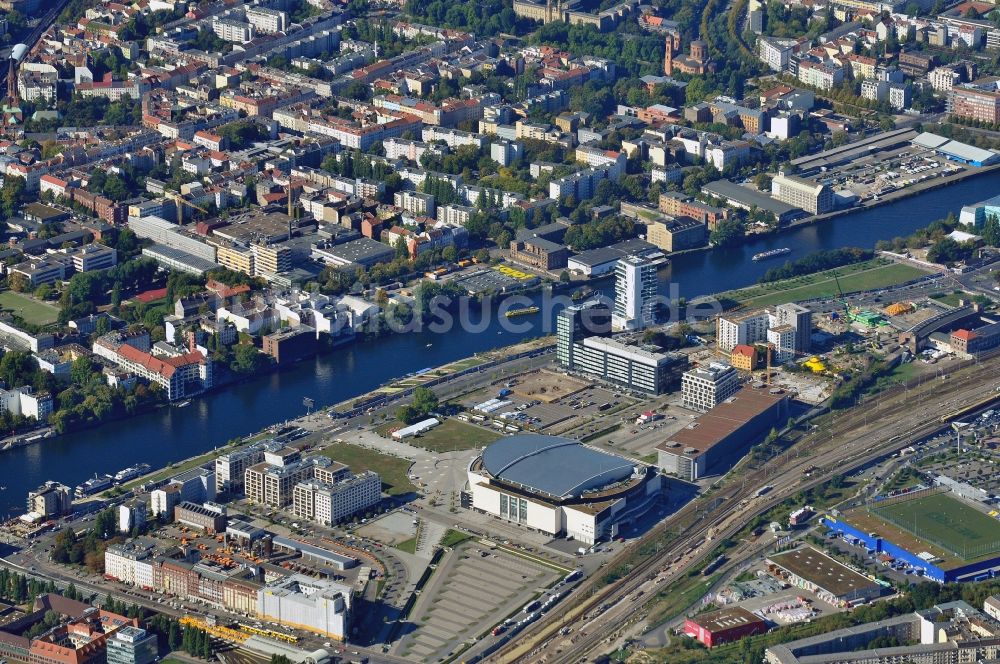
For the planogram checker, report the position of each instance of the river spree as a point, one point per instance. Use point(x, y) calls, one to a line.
point(170, 434)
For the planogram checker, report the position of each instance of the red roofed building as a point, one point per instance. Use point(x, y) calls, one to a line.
point(225, 291)
point(181, 375)
point(81, 641)
point(969, 343)
point(743, 357)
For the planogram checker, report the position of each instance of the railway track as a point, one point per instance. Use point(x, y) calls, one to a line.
point(851, 441)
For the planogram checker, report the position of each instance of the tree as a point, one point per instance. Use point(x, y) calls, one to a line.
point(425, 400)
point(81, 370)
point(991, 231)
point(762, 181)
point(728, 233)
point(18, 282)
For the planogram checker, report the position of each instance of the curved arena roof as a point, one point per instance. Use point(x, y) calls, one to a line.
point(557, 466)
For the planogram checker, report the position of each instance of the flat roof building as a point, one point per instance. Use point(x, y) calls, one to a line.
point(810, 196)
point(704, 388)
point(716, 440)
point(724, 626)
point(746, 198)
point(811, 569)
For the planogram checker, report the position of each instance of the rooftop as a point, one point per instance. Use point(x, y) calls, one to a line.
point(818, 568)
point(728, 618)
point(556, 466)
point(722, 421)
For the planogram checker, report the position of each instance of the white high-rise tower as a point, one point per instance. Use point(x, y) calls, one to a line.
point(635, 293)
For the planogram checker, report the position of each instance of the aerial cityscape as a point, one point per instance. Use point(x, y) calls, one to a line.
point(509, 331)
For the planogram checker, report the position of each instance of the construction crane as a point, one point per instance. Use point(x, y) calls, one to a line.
point(180, 201)
point(843, 299)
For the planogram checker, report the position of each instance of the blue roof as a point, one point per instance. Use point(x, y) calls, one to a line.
point(557, 466)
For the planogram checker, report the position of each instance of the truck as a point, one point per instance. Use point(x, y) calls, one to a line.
point(504, 392)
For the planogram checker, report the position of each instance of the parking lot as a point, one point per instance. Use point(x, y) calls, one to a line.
point(473, 589)
point(883, 172)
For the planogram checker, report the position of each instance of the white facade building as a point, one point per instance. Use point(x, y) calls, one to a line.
point(704, 388)
point(635, 293)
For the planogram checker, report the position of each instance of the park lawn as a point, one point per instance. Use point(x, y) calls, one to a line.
point(32, 311)
point(452, 435)
point(824, 285)
point(391, 469)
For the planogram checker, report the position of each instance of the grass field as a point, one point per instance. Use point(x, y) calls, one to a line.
point(453, 435)
point(391, 469)
point(408, 546)
point(947, 522)
point(32, 311)
point(868, 275)
point(454, 538)
point(951, 299)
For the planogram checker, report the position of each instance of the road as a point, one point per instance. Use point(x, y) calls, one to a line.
point(852, 440)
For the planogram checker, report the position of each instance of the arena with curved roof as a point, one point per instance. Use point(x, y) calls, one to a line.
point(560, 486)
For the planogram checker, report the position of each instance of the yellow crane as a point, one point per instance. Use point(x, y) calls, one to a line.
point(180, 201)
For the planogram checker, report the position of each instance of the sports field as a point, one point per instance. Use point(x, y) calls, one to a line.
point(34, 312)
point(945, 521)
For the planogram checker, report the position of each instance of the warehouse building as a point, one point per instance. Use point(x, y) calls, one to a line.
point(813, 570)
point(746, 198)
point(729, 624)
point(720, 437)
point(559, 486)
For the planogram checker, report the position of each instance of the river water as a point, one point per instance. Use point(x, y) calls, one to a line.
point(170, 434)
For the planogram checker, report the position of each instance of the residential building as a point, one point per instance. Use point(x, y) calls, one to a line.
point(233, 31)
point(943, 79)
point(974, 103)
point(704, 388)
point(781, 340)
point(328, 504)
point(267, 21)
point(131, 516)
point(51, 500)
point(180, 376)
point(822, 75)
point(740, 329)
point(799, 318)
point(744, 357)
point(636, 285)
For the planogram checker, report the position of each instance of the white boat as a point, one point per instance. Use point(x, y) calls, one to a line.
point(93, 485)
point(181, 404)
point(771, 253)
point(131, 472)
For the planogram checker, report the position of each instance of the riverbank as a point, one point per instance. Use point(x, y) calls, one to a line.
point(888, 199)
point(167, 435)
point(872, 274)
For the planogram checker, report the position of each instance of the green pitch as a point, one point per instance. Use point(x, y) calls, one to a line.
point(946, 522)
